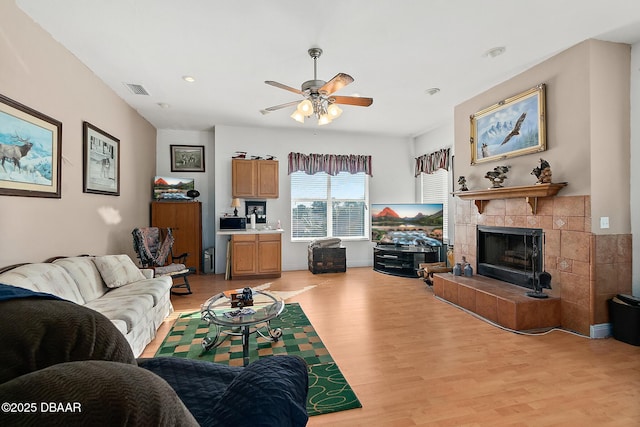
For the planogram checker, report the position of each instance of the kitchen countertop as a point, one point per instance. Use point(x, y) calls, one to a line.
point(251, 231)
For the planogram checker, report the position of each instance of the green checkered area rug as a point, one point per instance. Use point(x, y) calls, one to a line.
point(328, 389)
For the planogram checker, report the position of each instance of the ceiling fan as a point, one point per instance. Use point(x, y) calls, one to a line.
point(318, 96)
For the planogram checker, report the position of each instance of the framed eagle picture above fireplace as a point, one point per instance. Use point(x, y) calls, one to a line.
point(509, 128)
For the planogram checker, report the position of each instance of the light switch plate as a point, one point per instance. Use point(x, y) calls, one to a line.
point(604, 222)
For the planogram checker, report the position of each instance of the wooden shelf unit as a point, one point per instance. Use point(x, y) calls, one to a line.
point(530, 193)
point(185, 221)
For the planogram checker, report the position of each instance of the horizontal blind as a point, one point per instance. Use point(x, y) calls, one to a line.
point(434, 190)
point(348, 195)
point(329, 206)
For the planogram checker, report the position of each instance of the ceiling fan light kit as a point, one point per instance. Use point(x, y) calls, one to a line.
point(318, 96)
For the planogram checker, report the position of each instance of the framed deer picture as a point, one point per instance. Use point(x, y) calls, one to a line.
point(101, 153)
point(30, 151)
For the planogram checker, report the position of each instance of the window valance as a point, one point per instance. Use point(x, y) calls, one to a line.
point(332, 164)
point(429, 163)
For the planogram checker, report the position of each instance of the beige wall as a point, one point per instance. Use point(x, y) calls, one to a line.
point(36, 71)
point(610, 128)
point(588, 141)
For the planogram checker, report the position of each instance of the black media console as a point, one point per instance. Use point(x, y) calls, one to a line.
point(404, 260)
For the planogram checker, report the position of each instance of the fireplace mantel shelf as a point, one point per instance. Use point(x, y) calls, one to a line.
point(529, 192)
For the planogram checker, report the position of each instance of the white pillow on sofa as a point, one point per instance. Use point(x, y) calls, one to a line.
point(117, 270)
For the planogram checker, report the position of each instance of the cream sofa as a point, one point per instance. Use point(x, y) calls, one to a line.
point(113, 285)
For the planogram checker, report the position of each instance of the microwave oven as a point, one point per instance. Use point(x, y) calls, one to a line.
point(233, 223)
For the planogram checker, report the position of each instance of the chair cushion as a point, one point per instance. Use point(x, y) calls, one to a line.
point(94, 393)
point(44, 332)
point(271, 391)
point(171, 269)
point(117, 270)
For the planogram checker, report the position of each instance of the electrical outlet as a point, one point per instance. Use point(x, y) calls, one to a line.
point(604, 222)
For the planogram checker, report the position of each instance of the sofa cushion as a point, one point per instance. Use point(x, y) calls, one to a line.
point(121, 325)
point(117, 270)
point(44, 277)
point(130, 308)
point(157, 288)
point(86, 274)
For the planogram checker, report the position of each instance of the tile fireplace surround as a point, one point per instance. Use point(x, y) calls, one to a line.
point(587, 268)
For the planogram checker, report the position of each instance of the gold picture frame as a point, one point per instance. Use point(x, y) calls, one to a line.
point(30, 152)
point(513, 127)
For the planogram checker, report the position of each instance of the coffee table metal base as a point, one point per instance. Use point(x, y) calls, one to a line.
point(210, 342)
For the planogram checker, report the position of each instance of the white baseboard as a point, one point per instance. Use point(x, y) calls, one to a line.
point(602, 330)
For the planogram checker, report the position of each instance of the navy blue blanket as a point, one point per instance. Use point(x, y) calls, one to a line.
point(8, 292)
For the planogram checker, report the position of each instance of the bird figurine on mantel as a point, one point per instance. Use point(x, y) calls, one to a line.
point(542, 172)
point(497, 176)
point(462, 181)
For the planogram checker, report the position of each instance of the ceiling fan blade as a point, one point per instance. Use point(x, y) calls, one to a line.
point(285, 87)
point(339, 81)
point(352, 100)
point(278, 107)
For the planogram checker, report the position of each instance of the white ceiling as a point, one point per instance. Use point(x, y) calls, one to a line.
point(395, 50)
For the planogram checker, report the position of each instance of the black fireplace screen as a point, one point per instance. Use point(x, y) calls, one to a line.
point(509, 254)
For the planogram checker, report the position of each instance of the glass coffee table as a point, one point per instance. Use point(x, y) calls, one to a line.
point(241, 320)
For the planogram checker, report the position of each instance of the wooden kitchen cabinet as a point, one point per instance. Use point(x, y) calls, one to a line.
point(256, 255)
point(185, 221)
point(254, 179)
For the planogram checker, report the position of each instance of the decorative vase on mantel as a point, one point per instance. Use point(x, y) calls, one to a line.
point(457, 269)
point(468, 270)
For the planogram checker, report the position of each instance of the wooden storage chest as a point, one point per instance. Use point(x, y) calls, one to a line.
point(327, 260)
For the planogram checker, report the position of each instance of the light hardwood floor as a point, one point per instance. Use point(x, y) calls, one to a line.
point(414, 360)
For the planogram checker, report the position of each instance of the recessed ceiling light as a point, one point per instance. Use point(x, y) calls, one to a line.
point(496, 51)
point(163, 105)
point(432, 91)
point(189, 79)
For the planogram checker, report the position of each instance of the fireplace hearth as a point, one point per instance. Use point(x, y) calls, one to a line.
point(513, 255)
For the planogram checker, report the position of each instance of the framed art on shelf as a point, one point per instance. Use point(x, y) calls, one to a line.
point(30, 152)
point(512, 127)
point(260, 208)
point(187, 158)
point(101, 152)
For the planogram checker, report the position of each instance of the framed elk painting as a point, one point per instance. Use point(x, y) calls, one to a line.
point(101, 153)
point(30, 151)
point(512, 127)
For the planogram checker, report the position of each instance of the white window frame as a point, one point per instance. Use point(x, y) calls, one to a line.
point(329, 212)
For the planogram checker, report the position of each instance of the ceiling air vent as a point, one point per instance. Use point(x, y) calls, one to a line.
point(136, 89)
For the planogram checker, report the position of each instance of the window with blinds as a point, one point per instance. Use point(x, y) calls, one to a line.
point(435, 190)
point(329, 206)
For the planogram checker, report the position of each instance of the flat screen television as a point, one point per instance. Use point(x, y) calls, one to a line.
point(417, 224)
point(168, 188)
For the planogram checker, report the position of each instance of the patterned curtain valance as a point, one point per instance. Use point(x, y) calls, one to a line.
point(332, 164)
point(429, 163)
